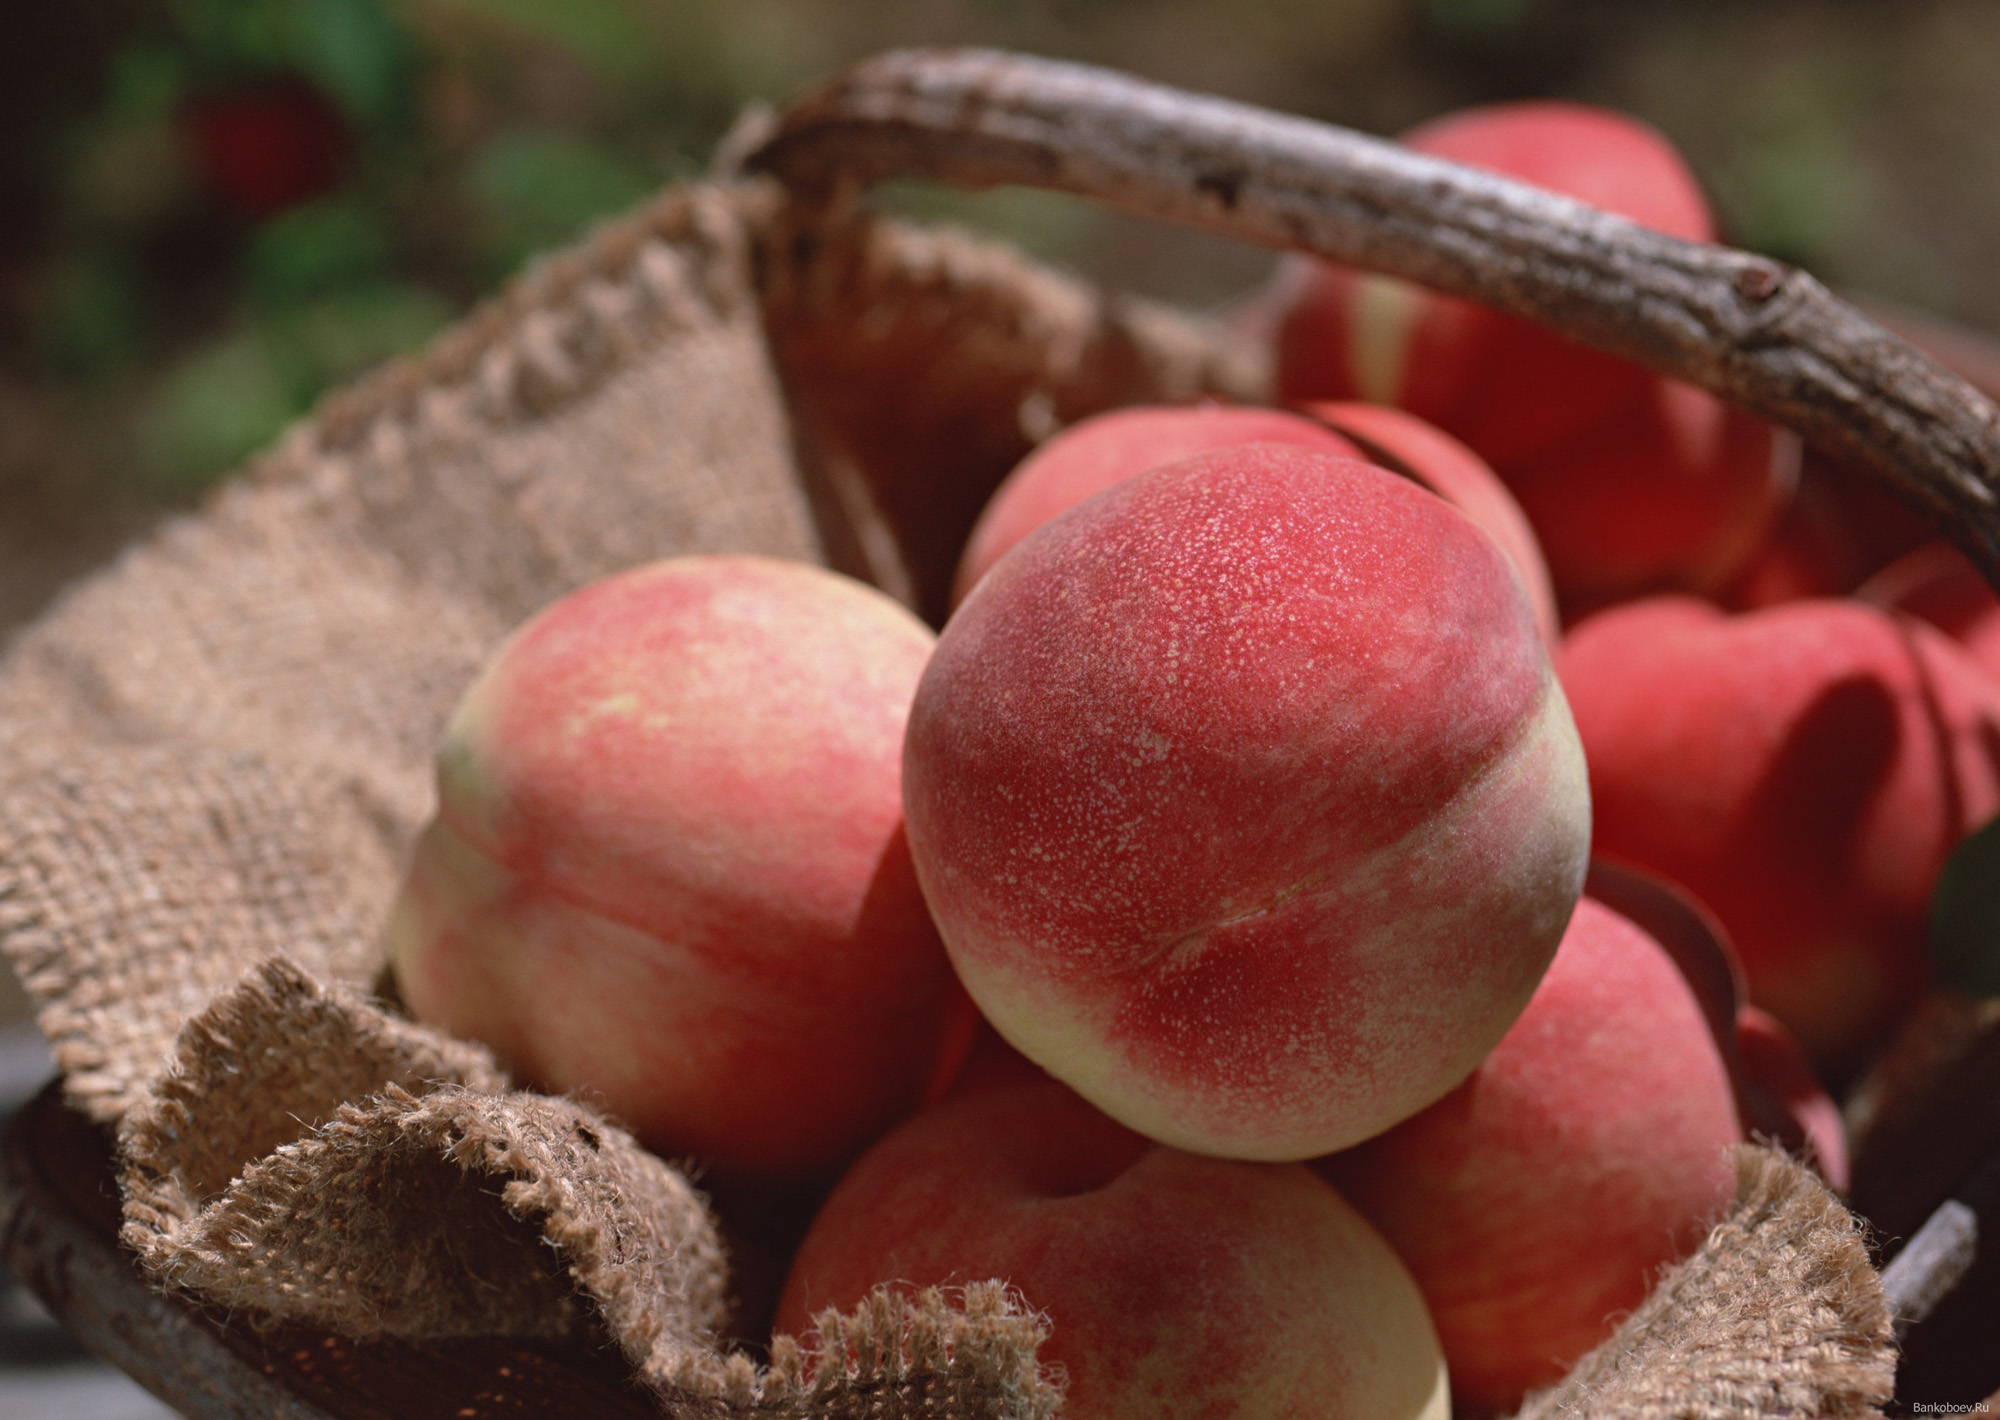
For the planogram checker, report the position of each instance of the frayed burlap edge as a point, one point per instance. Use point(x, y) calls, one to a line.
point(959, 1353)
point(1778, 1314)
point(380, 1182)
point(310, 1159)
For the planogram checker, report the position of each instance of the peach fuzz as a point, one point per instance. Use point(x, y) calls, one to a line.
point(1632, 481)
point(1535, 1203)
point(1174, 1285)
point(1418, 449)
point(1246, 801)
point(1803, 770)
point(1092, 454)
point(668, 865)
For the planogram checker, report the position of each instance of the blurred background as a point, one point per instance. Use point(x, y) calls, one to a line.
point(213, 210)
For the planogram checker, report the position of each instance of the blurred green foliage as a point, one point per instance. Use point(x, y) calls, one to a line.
point(471, 134)
point(355, 50)
point(461, 137)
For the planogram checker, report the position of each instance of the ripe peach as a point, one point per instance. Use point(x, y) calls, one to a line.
point(1091, 455)
point(1175, 1285)
point(1537, 1201)
point(668, 864)
point(1632, 481)
point(1675, 490)
point(1778, 1097)
point(1804, 770)
point(1246, 801)
point(1772, 1062)
point(1842, 525)
point(1937, 583)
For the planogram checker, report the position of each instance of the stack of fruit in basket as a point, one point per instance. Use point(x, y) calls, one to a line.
point(1195, 932)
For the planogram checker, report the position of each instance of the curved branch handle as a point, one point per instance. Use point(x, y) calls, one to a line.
point(1751, 330)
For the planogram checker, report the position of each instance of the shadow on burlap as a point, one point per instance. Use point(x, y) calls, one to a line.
point(214, 755)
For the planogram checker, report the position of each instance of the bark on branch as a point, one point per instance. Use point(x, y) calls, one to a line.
point(1750, 329)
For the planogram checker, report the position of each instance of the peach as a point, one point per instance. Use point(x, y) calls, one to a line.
point(1804, 770)
point(1674, 491)
point(1535, 1203)
point(1778, 1097)
point(1246, 800)
point(1507, 387)
point(1842, 525)
point(1938, 583)
point(668, 865)
point(1632, 481)
point(1174, 1285)
point(1091, 455)
point(1773, 1063)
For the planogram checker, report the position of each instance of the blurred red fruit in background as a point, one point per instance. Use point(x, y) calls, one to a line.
point(265, 146)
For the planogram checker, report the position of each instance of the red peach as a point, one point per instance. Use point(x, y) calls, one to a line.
point(1775, 1086)
point(1778, 1098)
point(1804, 770)
point(1246, 801)
point(1632, 481)
point(1676, 490)
point(1090, 456)
point(1772, 1061)
point(1937, 583)
point(1536, 1202)
point(668, 864)
point(268, 145)
point(1174, 1285)
point(1842, 525)
point(1418, 449)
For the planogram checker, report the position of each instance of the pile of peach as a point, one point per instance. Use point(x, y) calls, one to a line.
point(1194, 933)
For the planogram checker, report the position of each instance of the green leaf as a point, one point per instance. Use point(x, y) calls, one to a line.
point(1965, 916)
point(144, 84)
point(86, 312)
point(1476, 19)
point(354, 49)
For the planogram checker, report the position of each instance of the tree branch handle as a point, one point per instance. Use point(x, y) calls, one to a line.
point(1751, 330)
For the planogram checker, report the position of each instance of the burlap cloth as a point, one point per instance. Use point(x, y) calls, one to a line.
point(214, 755)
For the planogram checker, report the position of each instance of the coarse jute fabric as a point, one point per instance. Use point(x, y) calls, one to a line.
point(215, 754)
point(1779, 1313)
